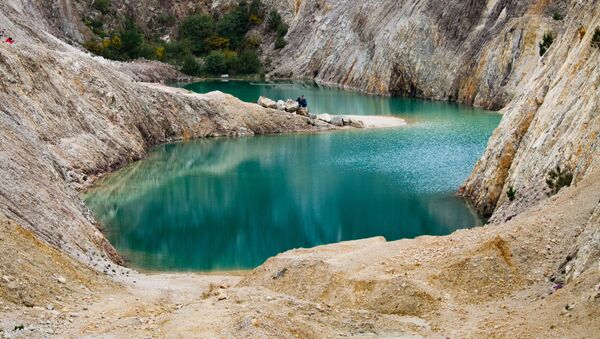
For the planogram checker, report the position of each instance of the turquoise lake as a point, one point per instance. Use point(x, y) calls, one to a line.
point(227, 204)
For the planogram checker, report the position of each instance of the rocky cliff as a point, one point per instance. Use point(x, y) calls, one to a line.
point(476, 52)
point(554, 120)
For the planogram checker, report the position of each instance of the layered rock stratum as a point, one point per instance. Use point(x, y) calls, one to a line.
point(67, 117)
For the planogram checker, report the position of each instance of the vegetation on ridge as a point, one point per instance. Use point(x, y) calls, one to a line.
point(596, 38)
point(557, 179)
point(205, 44)
point(547, 41)
point(511, 193)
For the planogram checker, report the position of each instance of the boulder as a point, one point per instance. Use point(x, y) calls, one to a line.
point(291, 106)
point(337, 120)
point(324, 117)
point(357, 123)
point(281, 105)
point(266, 102)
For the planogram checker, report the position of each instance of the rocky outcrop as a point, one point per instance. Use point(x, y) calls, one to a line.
point(290, 106)
point(553, 121)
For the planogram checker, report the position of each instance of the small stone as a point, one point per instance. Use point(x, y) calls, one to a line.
point(61, 279)
point(255, 322)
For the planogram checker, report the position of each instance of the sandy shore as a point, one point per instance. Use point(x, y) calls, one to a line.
point(368, 121)
point(379, 121)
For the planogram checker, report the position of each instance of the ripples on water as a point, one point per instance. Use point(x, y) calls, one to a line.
point(232, 203)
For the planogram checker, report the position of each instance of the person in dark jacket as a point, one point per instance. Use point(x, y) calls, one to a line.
point(302, 102)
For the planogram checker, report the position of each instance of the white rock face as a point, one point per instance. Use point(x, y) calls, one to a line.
point(553, 120)
point(476, 53)
point(281, 105)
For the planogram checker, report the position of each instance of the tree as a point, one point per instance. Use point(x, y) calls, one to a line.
point(197, 29)
point(131, 40)
point(235, 24)
point(215, 63)
point(248, 62)
point(191, 66)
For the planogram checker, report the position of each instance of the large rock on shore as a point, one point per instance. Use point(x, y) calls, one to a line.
point(267, 103)
point(291, 106)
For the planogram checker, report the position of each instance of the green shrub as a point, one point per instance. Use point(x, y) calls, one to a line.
point(557, 16)
point(596, 38)
point(215, 63)
point(93, 46)
point(274, 21)
point(248, 62)
point(558, 179)
point(547, 41)
point(131, 39)
point(282, 30)
point(191, 66)
point(257, 12)
point(234, 26)
point(280, 43)
point(95, 25)
point(511, 193)
point(177, 52)
point(165, 20)
point(101, 5)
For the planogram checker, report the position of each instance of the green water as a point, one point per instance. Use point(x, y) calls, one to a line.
point(226, 204)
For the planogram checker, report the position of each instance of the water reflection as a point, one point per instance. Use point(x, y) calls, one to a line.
point(232, 203)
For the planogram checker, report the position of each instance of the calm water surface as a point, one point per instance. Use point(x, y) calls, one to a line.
point(226, 204)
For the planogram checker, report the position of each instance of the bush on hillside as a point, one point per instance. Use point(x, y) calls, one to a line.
point(191, 66)
point(511, 193)
point(101, 5)
point(96, 26)
point(215, 63)
point(280, 43)
point(596, 38)
point(274, 21)
point(248, 62)
point(547, 41)
point(557, 179)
